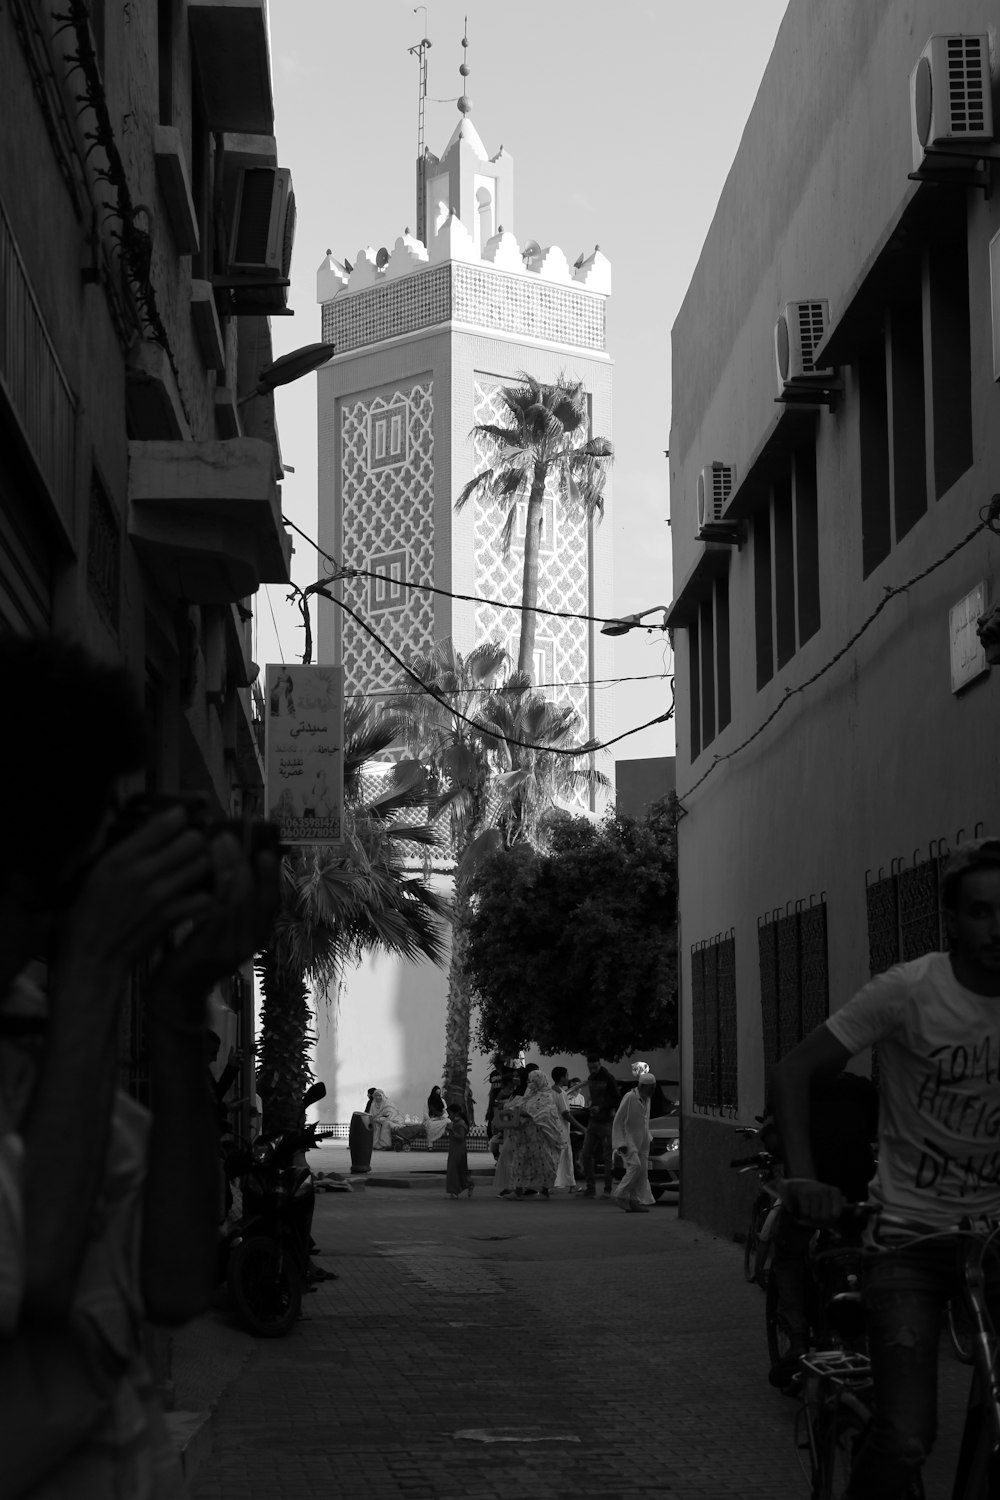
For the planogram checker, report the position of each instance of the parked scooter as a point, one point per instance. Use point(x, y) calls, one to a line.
point(265, 1255)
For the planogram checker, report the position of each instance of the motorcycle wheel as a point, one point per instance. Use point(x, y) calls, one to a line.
point(266, 1286)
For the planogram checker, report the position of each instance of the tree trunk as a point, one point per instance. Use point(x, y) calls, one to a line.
point(529, 583)
point(285, 1034)
point(459, 1008)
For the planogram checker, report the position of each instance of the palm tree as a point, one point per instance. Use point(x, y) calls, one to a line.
point(494, 788)
point(528, 733)
point(460, 760)
point(337, 906)
point(544, 438)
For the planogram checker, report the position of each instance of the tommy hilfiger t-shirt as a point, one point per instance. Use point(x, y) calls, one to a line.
point(939, 1081)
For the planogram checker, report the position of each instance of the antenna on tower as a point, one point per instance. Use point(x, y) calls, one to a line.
point(420, 53)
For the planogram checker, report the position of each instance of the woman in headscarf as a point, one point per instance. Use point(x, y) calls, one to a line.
point(384, 1116)
point(537, 1140)
point(436, 1119)
point(436, 1109)
point(630, 1137)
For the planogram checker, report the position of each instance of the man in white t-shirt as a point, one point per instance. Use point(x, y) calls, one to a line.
point(936, 1023)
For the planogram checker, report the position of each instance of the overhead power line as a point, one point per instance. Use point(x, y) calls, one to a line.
point(344, 571)
point(442, 697)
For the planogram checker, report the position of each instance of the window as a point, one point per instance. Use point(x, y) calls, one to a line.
point(708, 667)
point(794, 980)
point(388, 590)
point(544, 662)
point(904, 915)
point(762, 599)
point(713, 1024)
point(907, 424)
point(947, 292)
point(387, 437)
point(786, 565)
point(165, 57)
point(876, 502)
point(694, 686)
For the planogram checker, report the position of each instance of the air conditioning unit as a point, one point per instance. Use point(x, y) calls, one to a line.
point(260, 245)
point(797, 335)
point(716, 483)
point(951, 109)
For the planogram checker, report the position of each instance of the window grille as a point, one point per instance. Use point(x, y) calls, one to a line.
point(794, 977)
point(713, 1003)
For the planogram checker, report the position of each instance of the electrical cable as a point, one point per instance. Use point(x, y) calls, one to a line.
point(274, 622)
point(537, 686)
point(442, 699)
point(790, 692)
point(429, 588)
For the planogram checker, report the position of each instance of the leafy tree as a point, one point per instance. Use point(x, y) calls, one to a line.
point(575, 950)
point(544, 438)
point(337, 906)
point(494, 789)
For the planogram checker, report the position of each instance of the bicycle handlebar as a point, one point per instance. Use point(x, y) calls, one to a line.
point(759, 1160)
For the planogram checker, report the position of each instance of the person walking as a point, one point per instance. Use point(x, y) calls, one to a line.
point(537, 1139)
point(630, 1137)
point(935, 1022)
point(565, 1174)
point(597, 1141)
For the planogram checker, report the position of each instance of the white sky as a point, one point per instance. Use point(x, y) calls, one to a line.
point(622, 119)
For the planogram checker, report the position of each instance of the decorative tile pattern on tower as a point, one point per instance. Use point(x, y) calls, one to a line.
point(560, 645)
point(387, 505)
point(478, 295)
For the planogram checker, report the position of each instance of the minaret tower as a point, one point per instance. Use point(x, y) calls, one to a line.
point(425, 336)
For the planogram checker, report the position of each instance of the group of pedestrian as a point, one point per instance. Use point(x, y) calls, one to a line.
point(532, 1130)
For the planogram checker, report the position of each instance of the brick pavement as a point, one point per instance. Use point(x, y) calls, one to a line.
point(624, 1355)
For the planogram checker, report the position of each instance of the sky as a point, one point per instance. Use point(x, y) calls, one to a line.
point(622, 119)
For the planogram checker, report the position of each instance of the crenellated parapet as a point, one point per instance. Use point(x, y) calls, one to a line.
point(530, 291)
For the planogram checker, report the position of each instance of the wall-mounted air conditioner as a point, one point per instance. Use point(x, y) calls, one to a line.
point(716, 483)
point(260, 245)
point(798, 333)
point(951, 110)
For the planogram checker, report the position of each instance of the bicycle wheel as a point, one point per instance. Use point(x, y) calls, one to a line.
point(752, 1241)
point(960, 1329)
point(779, 1342)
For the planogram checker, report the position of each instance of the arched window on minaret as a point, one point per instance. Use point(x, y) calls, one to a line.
point(485, 215)
point(438, 201)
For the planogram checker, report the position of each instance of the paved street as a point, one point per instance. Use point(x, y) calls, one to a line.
point(483, 1349)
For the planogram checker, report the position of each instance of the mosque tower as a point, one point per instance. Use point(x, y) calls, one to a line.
point(425, 336)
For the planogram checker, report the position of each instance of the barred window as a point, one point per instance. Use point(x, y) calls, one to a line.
point(713, 1006)
point(794, 977)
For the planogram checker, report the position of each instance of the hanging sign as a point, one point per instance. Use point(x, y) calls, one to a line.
point(304, 753)
point(968, 659)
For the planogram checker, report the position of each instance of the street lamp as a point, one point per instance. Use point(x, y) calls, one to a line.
point(288, 368)
point(630, 622)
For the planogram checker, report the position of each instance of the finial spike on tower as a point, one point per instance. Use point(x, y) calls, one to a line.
point(465, 103)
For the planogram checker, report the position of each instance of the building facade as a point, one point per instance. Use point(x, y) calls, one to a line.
point(835, 444)
point(425, 336)
point(139, 502)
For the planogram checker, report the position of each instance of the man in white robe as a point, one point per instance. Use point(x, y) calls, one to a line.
point(630, 1136)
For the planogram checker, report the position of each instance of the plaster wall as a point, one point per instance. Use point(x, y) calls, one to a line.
point(878, 757)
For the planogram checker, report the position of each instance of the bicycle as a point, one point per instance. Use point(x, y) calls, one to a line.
point(836, 1409)
point(764, 1212)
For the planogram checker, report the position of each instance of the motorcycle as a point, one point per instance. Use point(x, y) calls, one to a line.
point(265, 1260)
